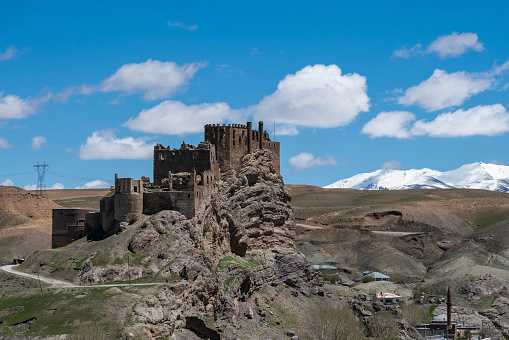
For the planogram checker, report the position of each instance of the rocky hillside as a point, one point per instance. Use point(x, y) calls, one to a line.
point(240, 242)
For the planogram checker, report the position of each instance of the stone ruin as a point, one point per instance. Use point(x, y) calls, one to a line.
point(183, 178)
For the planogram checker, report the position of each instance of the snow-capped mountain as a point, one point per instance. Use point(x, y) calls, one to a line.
point(474, 176)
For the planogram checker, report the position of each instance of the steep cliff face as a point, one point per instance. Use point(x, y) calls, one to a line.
point(241, 240)
point(248, 213)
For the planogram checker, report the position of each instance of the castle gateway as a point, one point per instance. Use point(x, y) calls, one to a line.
point(183, 177)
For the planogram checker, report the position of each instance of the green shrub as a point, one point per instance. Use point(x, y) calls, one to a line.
point(368, 278)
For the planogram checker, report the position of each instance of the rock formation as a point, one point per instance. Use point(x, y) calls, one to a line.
point(241, 240)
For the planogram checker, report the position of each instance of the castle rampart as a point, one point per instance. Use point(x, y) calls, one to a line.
point(68, 225)
point(183, 179)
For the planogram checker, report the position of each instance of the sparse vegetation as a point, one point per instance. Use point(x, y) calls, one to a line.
point(383, 326)
point(245, 263)
point(331, 278)
point(368, 278)
point(325, 322)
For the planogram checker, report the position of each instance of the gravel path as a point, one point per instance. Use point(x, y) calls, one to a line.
point(63, 284)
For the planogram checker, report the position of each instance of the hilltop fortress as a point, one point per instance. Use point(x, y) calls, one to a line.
point(183, 178)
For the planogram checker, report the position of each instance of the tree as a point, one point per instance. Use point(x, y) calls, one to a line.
point(383, 326)
point(325, 322)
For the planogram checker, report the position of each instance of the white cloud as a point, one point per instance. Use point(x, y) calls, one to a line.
point(390, 124)
point(443, 90)
point(57, 186)
point(95, 184)
point(392, 165)
point(177, 118)
point(482, 120)
point(14, 107)
point(157, 79)
point(497, 162)
point(286, 130)
point(306, 160)
point(4, 143)
point(488, 120)
point(181, 25)
point(9, 53)
point(38, 142)
point(406, 53)
point(316, 96)
point(7, 183)
point(104, 144)
point(497, 70)
point(455, 44)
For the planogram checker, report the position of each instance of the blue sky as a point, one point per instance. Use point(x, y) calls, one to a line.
point(89, 87)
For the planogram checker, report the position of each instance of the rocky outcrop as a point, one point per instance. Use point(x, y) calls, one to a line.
point(247, 220)
point(248, 213)
point(484, 285)
point(365, 308)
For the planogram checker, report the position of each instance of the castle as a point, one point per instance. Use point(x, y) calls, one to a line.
point(183, 178)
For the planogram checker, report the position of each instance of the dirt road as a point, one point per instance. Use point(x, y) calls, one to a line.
point(63, 284)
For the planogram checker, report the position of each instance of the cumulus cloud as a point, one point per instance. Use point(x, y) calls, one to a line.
point(487, 120)
point(306, 160)
point(95, 184)
point(7, 183)
point(177, 118)
point(14, 107)
point(286, 130)
point(181, 25)
point(443, 90)
point(9, 53)
point(38, 142)
point(452, 45)
point(455, 44)
point(104, 144)
point(4, 143)
point(156, 79)
point(316, 96)
point(482, 120)
point(392, 165)
point(53, 187)
point(57, 186)
point(406, 53)
point(390, 124)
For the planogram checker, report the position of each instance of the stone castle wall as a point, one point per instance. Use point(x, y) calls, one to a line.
point(183, 179)
point(232, 142)
point(67, 225)
point(184, 159)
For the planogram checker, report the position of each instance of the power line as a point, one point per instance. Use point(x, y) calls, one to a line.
point(18, 174)
point(71, 176)
point(41, 180)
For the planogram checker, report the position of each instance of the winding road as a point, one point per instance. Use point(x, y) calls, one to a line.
point(63, 284)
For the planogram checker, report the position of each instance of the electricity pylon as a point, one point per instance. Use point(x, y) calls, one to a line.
point(41, 178)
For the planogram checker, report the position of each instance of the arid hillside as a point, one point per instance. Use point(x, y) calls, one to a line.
point(411, 234)
point(25, 223)
point(25, 217)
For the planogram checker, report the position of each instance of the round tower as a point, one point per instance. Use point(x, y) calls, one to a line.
point(128, 200)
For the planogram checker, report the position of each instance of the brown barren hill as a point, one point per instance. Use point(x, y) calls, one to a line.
point(25, 223)
point(19, 206)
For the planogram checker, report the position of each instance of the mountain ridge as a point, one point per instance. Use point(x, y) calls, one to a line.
point(477, 175)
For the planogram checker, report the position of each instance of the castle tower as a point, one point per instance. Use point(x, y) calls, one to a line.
point(233, 141)
point(128, 199)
